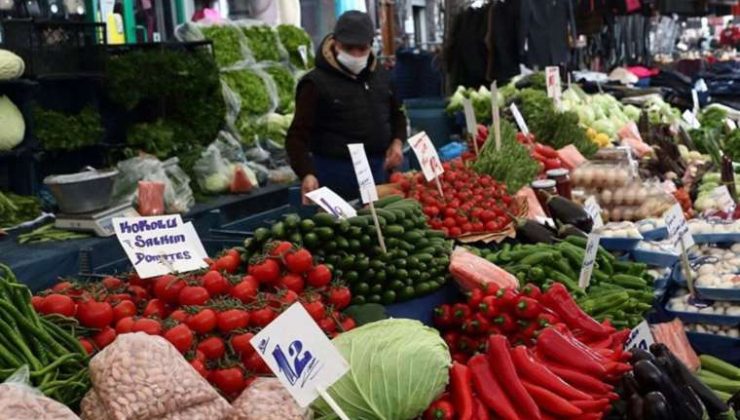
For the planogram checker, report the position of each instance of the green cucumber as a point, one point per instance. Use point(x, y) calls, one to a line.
point(324, 219)
point(720, 367)
point(628, 281)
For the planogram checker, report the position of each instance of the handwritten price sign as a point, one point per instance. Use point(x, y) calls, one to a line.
point(427, 155)
point(332, 203)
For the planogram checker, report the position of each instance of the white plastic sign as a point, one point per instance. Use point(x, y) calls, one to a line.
point(365, 179)
point(695, 101)
point(552, 80)
point(332, 203)
point(690, 119)
point(299, 354)
point(640, 337)
point(731, 124)
point(159, 244)
point(519, 119)
point(678, 229)
point(470, 123)
point(303, 52)
point(593, 209)
point(427, 155)
point(721, 196)
point(194, 239)
point(587, 268)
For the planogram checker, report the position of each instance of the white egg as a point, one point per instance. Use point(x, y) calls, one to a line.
point(707, 269)
point(619, 196)
point(606, 197)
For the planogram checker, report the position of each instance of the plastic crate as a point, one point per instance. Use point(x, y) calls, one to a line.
point(56, 48)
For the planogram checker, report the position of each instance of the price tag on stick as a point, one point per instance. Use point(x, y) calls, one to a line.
point(552, 81)
point(721, 196)
point(593, 209)
point(332, 203)
point(301, 356)
point(496, 114)
point(428, 158)
point(367, 184)
point(519, 119)
point(470, 123)
point(640, 337)
point(587, 268)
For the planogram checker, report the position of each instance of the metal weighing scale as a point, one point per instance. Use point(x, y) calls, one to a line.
point(100, 222)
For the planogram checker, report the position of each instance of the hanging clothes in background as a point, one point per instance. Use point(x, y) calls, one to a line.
point(264, 10)
point(465, 51)
point(546, 26)
point(502, 40)
point(289, 12)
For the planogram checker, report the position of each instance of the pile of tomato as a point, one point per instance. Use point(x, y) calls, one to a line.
point(472, 203)
point(209, 316)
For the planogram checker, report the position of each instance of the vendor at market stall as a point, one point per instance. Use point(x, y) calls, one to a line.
point(347, 98)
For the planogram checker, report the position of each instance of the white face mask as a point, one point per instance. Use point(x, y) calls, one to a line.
point(352, 63)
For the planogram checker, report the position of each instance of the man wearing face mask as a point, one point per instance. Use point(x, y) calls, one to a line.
point(347, 98)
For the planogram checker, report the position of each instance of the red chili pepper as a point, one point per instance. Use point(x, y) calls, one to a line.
point(561, 349)
point(619, 338)
point(545, 150)
point(559, 300)
point(552, 163)
point(489, 390)
point(461, 388)
point(589, 416)
point(505, 322)
point(506, 298)
point(488, 307)
point(531, 290)
point(537, 156)
point(539, 374)
point(451, 338)
point(550, 401)
point(474, 298)
point(440, 410)
point(460, 358)
point(604, 343)
point(582, 381)
point(531, 332)
point(481, 412)
point(527, 308)
point(442, 316)
point(501, 363)
point(547, 318)
point(460, 312)
point(592, 406)
point(490, 289)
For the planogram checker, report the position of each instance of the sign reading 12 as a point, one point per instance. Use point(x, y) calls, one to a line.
point(304, 365)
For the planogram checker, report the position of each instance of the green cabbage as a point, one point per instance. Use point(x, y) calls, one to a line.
point(13, 126)
point(397, 368)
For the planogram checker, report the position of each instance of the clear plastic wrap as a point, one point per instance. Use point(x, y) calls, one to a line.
point(266, 399)
point(299, 46)
point(178, 197)
point(223, 166)
point(285, 84)
point(20, 401)
point(141, 376)
point(224, 35)
point(262, 40)
point(255, 93)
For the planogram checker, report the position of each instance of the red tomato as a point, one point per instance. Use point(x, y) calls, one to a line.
point(125, 325)
point(212, 347)
point(280, 248)
point(315, 309)
point(254, 363)
point(232, 319)
point(36, 303)
point(94, 314)
point(58, 304)
point(87, 345)
point(193, 295)
point(228, 263)
point(327, 325)
point(348, 324)
point(104, 337)
point(320, 276)
point(179, 315)
point(202, 322)
point(262, 317)
point(181, 337)
point(200, 367)
point(155, 308)
point(112, 283)
point(287, 297)
point(168, 288)
point(340, 297)
point(138, 293)
point(268, 271)
point(299, 262)
point(292, 282)
point(148, 326)
point(241, 343)
point(230, 380)
point(215, 283)
point(246, 290)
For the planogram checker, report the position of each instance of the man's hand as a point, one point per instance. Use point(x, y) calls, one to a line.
point(308, 184)
point(394, 155)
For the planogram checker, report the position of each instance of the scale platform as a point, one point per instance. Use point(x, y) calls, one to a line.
point(99, 222)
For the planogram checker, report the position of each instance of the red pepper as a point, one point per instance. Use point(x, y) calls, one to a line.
point(489, 390)
point(484, 325)
point(537, 156)
point(474, 298)
point(506, 298)
point(582, 381)
point(501, 363)
point(460, 312)
point(461, 388)
point(505, 322)
point(460, 357)
point(481, 412)
point(561, 349)
point(466, 344)
point(527, 308)
point(488, 307)
point(442, 316)
point(490, 289)
point(545, 150)
point(592, 406)
point(605, 343)
point(547, 318)
point(531, 290)
point(559, 300)
point(440, 410)
point(589, 416)
point(531, 332)
point(550, 401)
point(451, 338)
point(552, 163)
point(619, 338)
point(539, 374)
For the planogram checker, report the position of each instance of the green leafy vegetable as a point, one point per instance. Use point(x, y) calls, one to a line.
point(251, 89)
point(60, 131)
point(15, 209)
point(397, 368)
point(263, 42)
point(274, 127)
point(285, 83)
point(293, 37)
point(511, 165)
point(226, 43)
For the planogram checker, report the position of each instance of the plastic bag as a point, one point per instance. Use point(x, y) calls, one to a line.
point(299, 46)
point(92, 409)
point(471, 271)
point(223, 166)
point(19, 401)
point(140, 376)
point(255, 93)
point(285, 84)
point(266, 399)
point(229, 44)
point(282, 175)
point(151, 198)
point(262, 40)
point(178, 197)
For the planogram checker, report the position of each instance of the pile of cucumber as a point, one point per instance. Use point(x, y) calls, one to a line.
point(722, 377)
point(415, 264)
point(620, 291)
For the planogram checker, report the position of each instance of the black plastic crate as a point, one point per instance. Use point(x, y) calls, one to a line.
point(56, 48)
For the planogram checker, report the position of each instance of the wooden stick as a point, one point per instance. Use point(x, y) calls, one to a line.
point(686, 267)
point(381, 241)
point(496, 116)
point(333, 404)
point(439, 188)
